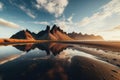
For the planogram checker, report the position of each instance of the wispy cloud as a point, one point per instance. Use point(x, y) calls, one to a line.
point(55, 7)
point(70, 19)
point(111, 8)
point(27, 11)
point(116, 28)
point(22, 6)
point(94, 23)
point(42, 23)
point(1, 6)
point(66, 24)
point(6, 23)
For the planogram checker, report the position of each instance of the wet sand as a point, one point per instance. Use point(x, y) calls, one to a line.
point(78, 68)
point(96, 70)
point(105, 56)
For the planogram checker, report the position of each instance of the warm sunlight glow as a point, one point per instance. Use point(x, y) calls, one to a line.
point(112, 35)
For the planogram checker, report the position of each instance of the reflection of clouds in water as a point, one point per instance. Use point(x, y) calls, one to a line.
point(70, 53)
point(36, 51)
point(11, 57)
point(9, 53)
point(8, 50)
point(102, 51)
point(95, 49)
point(35, 54)
point(62, 55)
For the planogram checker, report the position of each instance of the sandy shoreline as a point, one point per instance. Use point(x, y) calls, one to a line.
point(111, 44)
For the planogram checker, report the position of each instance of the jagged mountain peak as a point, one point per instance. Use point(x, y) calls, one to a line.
point(56, 28)
point(47, 28)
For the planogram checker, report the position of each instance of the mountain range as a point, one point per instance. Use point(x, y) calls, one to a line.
point(80, 36)
point(53, 34)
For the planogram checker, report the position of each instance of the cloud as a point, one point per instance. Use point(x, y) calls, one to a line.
point(111, 8)
point(8, 23)
point(62, 24)
point(102, 20)
point(66, 24)
point(1, 6)
point(117, 28)
point(22, 6)
point(70, 18)
point(27, 11)
point(42, 23)
point(55, 7)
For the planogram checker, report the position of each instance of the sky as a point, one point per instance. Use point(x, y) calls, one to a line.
point(99, 17)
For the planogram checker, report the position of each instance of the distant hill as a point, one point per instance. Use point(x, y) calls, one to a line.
point(53, 34)
point(80, 36)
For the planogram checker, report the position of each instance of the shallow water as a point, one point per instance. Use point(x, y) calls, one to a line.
point(48, 61)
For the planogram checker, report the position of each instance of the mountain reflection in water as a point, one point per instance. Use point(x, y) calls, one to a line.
point(48, 47)
point(56, 61)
